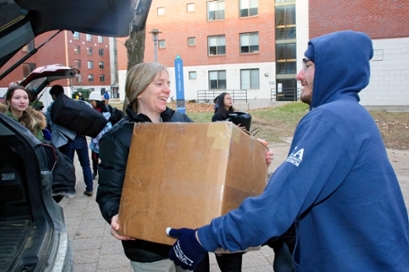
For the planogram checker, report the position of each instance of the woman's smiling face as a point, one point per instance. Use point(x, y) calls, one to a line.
point(154, 98)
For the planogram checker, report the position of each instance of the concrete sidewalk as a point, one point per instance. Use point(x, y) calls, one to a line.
point(96, 250)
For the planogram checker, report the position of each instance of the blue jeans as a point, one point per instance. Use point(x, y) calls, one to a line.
point(80, 145)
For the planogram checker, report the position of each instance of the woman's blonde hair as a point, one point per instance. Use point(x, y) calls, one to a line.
point(138, 79)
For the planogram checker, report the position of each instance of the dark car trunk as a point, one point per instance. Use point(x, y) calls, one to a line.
point(32, 229)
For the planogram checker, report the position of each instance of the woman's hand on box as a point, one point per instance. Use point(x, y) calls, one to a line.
point(115, 228)
point(269, 154)
point(269, 157)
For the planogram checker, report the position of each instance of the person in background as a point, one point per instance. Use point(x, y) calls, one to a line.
point(232, 262)
point(223, 106)
point(80, 97)
point(69, 142)
point(106, 97)
point(63, 182)
point(97, 103)
point(337, 185)
point(17, 100)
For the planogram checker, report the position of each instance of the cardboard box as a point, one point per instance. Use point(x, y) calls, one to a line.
point(186, 174)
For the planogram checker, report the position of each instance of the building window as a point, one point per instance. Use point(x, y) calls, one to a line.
point(217, 80)
point(101, 65)
point(215, 10)
point(102, 78)
point(285, 22)
point(286, 58)
point(161, 44)
point(191, 41)
point(101, 51)
point(91, 78)
point(216, 45)
point(248, 8)
point(28, 47)
point(77, 63)
point(100, 39)
point(192, 74)
point(78, 78)
point(161, 11)
point(28, 68)
point(88, 37)
point(77, 49)
point(249, 42)
point(89, 50)
point(249, 79)
point(90, 64)
point(76, 35)
point(190, 7)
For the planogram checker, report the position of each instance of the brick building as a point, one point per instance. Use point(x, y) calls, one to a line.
point(386, 23)
point(257, 45)
point(233, 45)
point(89, 53)
point(228, 45)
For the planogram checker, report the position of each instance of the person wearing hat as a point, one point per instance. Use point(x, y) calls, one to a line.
point(80, 97)
point(337, 185)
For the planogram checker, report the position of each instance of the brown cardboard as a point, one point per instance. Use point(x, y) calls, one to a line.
point(186, 174)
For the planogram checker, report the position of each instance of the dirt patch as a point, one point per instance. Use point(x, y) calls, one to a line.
point(394, 127)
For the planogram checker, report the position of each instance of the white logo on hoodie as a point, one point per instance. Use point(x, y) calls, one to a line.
point(296, 157)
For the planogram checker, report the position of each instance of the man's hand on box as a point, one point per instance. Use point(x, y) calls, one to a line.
point(269, 154)
point(115, 228)
point(187, 251)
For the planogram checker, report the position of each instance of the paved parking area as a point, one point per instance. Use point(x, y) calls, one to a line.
point(96, 250)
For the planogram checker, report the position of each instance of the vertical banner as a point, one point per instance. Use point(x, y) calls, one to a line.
point(180, 85)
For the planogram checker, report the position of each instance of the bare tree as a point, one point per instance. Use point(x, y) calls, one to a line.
point(135, 47)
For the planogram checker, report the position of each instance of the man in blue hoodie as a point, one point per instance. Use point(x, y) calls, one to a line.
point(337, 185)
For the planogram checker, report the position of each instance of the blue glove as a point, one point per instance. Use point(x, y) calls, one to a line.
point(187, 251)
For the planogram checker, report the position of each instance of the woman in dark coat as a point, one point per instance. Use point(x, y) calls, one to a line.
point(147, 90)
point(224, 106)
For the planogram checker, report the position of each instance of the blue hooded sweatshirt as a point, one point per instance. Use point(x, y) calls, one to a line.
point(337, 184)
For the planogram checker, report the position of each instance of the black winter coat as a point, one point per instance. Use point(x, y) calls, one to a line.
point(113, 152)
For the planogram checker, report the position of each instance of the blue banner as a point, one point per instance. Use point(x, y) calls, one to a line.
point(180, 85)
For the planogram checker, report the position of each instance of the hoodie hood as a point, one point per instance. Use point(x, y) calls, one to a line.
point(342, 69)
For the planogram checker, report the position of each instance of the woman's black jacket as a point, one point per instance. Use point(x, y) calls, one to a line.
point(114, 149)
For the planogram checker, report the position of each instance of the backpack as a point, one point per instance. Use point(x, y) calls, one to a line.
point(63, 171)
point(77, 116)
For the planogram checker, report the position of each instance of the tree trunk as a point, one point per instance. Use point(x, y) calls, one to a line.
point(135, 47)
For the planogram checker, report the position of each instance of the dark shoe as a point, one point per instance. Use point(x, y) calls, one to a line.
point(88, 193)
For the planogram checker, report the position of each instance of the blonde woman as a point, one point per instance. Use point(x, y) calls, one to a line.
point(147, 89)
